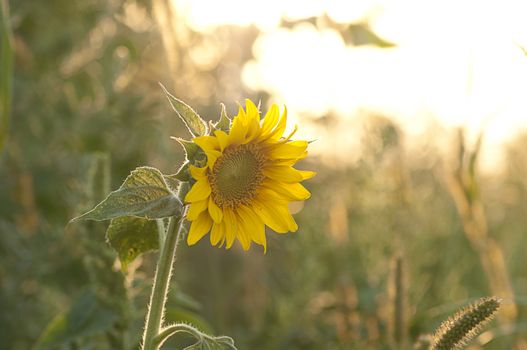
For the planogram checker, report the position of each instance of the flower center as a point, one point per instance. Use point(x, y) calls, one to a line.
point(236, 175)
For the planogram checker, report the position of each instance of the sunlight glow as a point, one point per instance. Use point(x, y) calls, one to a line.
point(458, 63)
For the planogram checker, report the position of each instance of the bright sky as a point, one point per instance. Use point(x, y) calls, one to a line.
point(456, 62)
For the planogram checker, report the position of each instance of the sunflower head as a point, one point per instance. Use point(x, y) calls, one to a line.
point(247, 180)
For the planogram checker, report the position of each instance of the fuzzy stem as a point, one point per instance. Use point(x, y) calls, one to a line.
point(6, 69)
point(158, 298)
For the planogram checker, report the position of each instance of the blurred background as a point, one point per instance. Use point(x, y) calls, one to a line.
point(418, 113)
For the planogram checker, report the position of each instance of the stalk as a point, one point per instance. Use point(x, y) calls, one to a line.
point(6, 71)
point(158, 298)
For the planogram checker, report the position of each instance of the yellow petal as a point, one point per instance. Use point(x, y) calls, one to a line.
point(306, 174)
point(212, 156)
point(270, 120)
point(207, 143)
point(271, 216)
point(288, 137)
point(195, 209)
point(291, 223)
point(198, 173)
point(231, 226)
point(199, 228)
point(280, 128)
point(283, 173)
point(289, 150)
point(268, 194)
point(273, 210)
point(223, 139)
point(217, 233)
point(252, 110)
point(238, 130)
point(242, 116)
point(253, 130)
point(215, 212)
point(199, 191)
point(243, 232)
point(252, 121)
point(288, 162)
point(253, 226)
point(290, 191)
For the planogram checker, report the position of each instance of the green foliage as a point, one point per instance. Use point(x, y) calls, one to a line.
point(224, 122)
point(145, 193)
point(88, 316)
point(6, 71)
point(361, 34)
point(192, 120)
point(85, 86)
point(191, 149)
point(183, 174)
point(203, 341)
point(131, 237)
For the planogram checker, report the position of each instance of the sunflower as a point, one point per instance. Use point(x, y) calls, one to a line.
point(248, 180)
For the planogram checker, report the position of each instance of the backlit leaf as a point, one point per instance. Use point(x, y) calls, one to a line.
point(131, 236)
point(145, 193)
point(192, 120)
point(224, 123)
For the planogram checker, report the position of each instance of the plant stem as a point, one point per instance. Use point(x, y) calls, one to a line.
point(6, 69)
point(156, 310)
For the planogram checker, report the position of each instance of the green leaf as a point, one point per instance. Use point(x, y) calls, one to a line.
point(361, 34)
point(86, 317)
point(225, 122)
point(203, 340)
point(145, 193)
point(191, 149)
point(183, 173)
point(192, 120)
point(172, 181)
point(213, 343)
point(131, 236)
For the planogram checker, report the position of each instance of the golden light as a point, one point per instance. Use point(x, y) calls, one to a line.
point(455, 63)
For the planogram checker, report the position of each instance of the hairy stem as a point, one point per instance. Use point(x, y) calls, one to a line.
point(6, 71)
point(156, 310)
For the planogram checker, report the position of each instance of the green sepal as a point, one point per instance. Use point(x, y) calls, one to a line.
point(191, 149)
point(131, 237)
point(183, 173)
point(361, 34)
point(212, 127)
point(225, 122)
point(145, 193)
point(195, 124)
